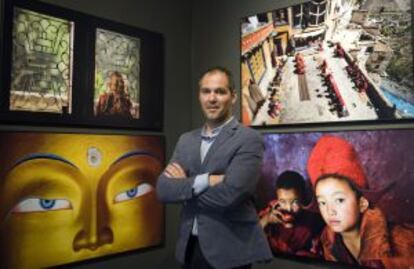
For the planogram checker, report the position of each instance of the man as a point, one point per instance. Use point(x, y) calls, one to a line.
point(289, 227)
point(213, 173)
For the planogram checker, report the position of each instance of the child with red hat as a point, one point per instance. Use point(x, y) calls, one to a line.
point(356, 232)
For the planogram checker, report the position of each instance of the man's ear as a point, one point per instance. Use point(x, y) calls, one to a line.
point(363, 204)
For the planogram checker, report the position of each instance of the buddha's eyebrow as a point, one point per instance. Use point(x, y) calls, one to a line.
point(48, 156)
point(135, 153)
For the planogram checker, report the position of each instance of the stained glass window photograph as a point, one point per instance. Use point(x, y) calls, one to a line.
point(64, 67)
point(117, 74)
point(42, 55)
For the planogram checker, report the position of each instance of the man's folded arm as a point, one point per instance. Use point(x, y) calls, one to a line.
point(240, 178)
point(172, 190)
point(179, 188)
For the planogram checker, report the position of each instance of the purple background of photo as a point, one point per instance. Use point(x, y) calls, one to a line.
point(386, 155)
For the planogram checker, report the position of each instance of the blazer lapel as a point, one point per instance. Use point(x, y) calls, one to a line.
point(225, 134)
point(195, 146)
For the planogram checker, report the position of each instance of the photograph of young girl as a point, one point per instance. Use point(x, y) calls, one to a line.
point(358, 183)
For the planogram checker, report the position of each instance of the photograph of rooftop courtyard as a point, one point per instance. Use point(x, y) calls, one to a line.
point(328, 61)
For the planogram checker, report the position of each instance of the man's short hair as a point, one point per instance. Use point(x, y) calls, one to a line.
point(292, 180)
point(223, 70)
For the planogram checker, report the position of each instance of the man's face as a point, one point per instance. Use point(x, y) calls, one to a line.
point(114, 83)
point(216, 99)
point(289, 205)
point(70, 197)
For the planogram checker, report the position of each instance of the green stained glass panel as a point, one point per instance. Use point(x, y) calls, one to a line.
point(41, 63)
point(117, 58)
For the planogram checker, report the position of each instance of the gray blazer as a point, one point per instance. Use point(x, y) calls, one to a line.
point(228, 231)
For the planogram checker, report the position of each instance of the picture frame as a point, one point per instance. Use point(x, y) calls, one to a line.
point(50, 57)
point(100, 194)
point(303, 170)
point(327, 88)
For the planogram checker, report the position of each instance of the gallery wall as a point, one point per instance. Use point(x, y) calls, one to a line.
point(197, 35)
point(216, 37)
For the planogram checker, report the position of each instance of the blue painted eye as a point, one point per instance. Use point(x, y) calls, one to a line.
point(41, 205)
point(133, 193)
point(47, 204)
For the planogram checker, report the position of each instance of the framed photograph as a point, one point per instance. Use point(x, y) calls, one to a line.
point(63, 67)
point(38, 61)
point(126, 88)
point(117, 65)
point(60, 206)
point(327, 61)
point(42, 63)
point(322, 193)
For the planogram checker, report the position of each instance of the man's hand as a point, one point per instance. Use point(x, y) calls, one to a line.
point(174, 170)
point(215, 179)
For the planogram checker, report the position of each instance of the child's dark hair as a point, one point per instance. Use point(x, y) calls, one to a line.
point(292, 180)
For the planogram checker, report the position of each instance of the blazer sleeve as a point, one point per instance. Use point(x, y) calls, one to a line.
point(170, 190)
point(240, 178)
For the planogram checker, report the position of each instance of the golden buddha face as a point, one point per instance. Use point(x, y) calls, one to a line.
point(70, 197)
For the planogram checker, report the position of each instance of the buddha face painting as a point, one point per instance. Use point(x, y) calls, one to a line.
point(71, 197)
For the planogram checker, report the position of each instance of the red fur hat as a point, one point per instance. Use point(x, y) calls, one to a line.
point(334, 155)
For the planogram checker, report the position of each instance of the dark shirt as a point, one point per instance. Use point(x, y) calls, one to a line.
point(298, 240)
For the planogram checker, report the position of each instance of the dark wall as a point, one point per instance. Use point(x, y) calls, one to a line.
point(216, 36)
point(173, 21)
point(198, 34)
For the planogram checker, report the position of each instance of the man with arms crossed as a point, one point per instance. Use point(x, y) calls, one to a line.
point(213, 173)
